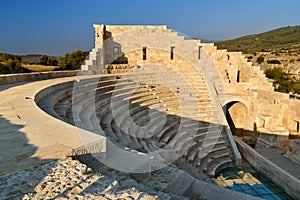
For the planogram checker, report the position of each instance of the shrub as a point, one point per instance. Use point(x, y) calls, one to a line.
point(296, 87)
point(298, 59)
point(6, 57)
point(260, 59)
point(283, 80)
point(52, 62)
point(285, 86)
point(45, 60)
point(26, 62)
point(11, 67)
point(275, 73)
point(273, 62)
point(292, 60)
point(73, 61)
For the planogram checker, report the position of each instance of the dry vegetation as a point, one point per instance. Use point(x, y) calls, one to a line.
point(289, 61)
point(39, 68)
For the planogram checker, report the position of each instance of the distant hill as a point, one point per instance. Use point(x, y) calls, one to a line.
point(277, 40)
point(208, 41)
point(32, 58)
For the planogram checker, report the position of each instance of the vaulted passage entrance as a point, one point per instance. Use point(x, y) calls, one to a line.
point(236, 114)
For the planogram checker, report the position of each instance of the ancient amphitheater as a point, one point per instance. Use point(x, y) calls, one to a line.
point(151, 114)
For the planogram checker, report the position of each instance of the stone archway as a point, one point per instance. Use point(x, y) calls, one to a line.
point(236, 114)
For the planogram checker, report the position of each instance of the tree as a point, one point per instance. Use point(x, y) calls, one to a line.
point(52, 62)
point(273, 62)
point(260, 59)
point(44, 59)
point(73, 61)
point(275, 73)
point(296, 87)
point(6, 57)
point(11, 67)
point(286, 84)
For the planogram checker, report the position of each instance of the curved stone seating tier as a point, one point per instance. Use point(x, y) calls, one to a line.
point(103, 103)
point(182, 140)
point(142, 121)
point(48, 104)
point(216, 164)
point(169, 130)
point(110, 123)
point(170, 124)
point(203, 158)
point(219, 158)
point(77, 102)
point(117, 104)
point(178, 85)
point(136, 109)
point(88, 105)
point(106, 121)
point(60, 100)
point(195, 146)
point(103, 96)
point(174, 107)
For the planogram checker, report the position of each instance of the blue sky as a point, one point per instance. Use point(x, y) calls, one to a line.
point(55, 27)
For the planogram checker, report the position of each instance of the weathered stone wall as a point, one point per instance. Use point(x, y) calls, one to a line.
point(118, 68)
point(267, 112)
point(293, 116)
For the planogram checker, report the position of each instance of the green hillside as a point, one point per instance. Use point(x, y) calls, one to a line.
point(277, 40)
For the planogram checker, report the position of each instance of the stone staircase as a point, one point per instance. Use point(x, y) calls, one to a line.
point(229, 63)
point(94, 62)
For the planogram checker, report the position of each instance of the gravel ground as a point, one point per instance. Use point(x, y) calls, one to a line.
point(72, 179)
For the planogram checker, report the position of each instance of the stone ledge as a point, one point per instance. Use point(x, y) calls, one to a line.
point(37, 76)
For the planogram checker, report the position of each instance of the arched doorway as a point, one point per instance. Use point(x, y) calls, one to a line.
point(236, 115)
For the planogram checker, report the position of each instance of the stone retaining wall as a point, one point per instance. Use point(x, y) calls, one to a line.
point(37, 76)
point(290, 184)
